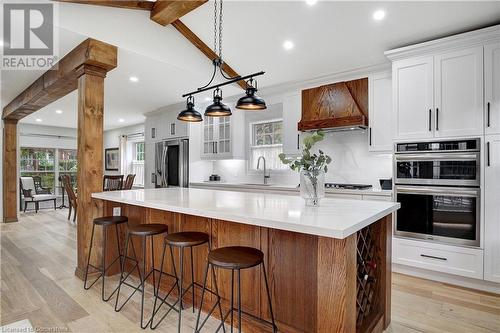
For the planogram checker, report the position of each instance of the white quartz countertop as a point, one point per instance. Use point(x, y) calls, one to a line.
point(336, 218)
point(286, 187)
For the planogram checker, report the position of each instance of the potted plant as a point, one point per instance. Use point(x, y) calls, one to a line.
point(312, 168)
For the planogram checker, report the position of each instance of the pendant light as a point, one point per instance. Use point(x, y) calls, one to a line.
point(217, 108)
point(190, 114)
point(251, 101)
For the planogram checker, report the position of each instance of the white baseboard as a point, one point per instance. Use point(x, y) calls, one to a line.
point(448, 278)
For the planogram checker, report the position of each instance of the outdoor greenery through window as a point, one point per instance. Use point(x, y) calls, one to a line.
point(49, 164)
point(267, 140)
point(139, 151)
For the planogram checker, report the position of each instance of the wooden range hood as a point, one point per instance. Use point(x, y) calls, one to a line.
point(337, 106)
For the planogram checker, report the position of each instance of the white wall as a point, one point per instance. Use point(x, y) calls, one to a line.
point(111, 139)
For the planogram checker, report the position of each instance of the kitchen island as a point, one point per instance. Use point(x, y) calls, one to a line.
point(329, 267)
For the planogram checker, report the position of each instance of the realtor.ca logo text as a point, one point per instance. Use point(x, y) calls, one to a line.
point(29, 36)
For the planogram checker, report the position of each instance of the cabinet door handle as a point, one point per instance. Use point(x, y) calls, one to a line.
point(488, 114)
point(430, 120)
point(370, 135)
point(433, 257)
point(437, 119)
point(298, 141)
point(488, 162)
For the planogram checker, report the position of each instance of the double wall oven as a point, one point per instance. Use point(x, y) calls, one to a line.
point(438, 186)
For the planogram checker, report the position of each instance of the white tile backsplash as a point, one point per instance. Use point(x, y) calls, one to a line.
point(352, 163)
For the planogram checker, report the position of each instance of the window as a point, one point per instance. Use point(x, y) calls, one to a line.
point(138, 164)
point(267, 140)
point(49, 164)
point(39, 162)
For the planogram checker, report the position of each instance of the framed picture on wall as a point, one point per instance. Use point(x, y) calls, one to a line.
point(112, 159)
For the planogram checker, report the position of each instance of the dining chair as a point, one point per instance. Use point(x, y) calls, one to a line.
point(129, 182)
point(73, 202)
point(112, 182)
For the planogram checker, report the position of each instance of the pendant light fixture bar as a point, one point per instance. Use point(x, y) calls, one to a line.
point(236, 79)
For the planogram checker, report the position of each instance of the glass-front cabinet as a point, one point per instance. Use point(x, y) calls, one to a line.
point(223, 137)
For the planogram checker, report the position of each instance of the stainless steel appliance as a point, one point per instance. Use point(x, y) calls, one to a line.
point(348, 186)
point(438, 186)
point(171, 163)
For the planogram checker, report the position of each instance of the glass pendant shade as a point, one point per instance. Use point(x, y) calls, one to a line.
point(190, 114)
point(217, 108)
point(251, 101)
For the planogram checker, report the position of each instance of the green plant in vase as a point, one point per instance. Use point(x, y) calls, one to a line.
point(312, 168)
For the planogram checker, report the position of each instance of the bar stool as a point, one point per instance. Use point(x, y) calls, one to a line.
point(181, 240)
point(105, 222)
point(143, 231)
point(235, 258)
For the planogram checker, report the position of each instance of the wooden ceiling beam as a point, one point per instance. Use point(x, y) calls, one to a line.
point(206, 50)
point(62, 78)
point(139, 5)
point(165, 12)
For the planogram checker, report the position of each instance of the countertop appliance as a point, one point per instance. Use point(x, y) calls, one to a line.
point(171, 163)
point(348, 186)
point(438, 186)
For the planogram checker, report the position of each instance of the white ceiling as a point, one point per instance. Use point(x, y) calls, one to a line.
point(329, 37)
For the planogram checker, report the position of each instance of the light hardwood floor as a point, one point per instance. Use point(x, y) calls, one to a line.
point(37, 283)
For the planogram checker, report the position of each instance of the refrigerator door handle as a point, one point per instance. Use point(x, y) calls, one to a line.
point(165, 166)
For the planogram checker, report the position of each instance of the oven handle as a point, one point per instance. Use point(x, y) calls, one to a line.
point(437, 157)
point(436, 190)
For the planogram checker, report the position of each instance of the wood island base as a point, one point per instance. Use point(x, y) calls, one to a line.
point(318, 284)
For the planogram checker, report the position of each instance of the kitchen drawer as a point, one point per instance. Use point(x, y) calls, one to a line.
point(438, 257)
point(377, 197)
point(344, 196)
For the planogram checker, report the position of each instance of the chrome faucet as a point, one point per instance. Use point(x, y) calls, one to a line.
point(266, 177)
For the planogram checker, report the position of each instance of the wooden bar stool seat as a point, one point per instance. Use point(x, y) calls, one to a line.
point(149, 229)
point(110, 220)
point(186, 238)
point(105, 222)
point(142, 231)
point(235, 258)
point(181, 240)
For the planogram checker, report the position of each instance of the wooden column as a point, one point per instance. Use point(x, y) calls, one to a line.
point(90, 156)
point(9, 180)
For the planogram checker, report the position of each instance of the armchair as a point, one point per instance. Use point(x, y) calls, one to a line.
point(30, 193)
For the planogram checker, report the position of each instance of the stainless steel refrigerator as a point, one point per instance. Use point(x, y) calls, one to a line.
point(171, 163)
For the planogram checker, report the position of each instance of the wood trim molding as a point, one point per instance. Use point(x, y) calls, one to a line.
point(466, 39)
point(205, 49)
point(165, 12)
point(139, 5)
point(62, 78)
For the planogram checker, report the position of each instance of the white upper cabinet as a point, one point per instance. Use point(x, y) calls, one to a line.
point(223, 137)
point(458, 97)
point(492, 209)
point(292, 109)
point(492, 87)
point(380, 112)
point(413, 98)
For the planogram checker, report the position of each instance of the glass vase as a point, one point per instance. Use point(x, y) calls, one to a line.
point(312, 186)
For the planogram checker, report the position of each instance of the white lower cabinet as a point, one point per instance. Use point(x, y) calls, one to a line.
point(449, 259)
point(492, 209)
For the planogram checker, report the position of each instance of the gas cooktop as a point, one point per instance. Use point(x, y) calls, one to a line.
point(348, 186)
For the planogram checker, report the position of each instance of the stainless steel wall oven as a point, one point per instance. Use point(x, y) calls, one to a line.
point(438, 186)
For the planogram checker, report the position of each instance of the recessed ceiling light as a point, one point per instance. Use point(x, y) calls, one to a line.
point(133, 79)
point(378, 15)
point(38, 120)
point(121, 120)
point(311, 2)
point(288, 45)
point(59, 111)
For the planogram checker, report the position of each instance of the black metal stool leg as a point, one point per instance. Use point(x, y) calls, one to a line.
point(239, 301)
point(153, 265)
point(104, 241)
point(88, 260)
point(275, 328)
point(192, 277)
point(218, 298)
point(143, 281)
point(181, 266)
point(231, 306)
point(202, 296)
point(121, 274)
